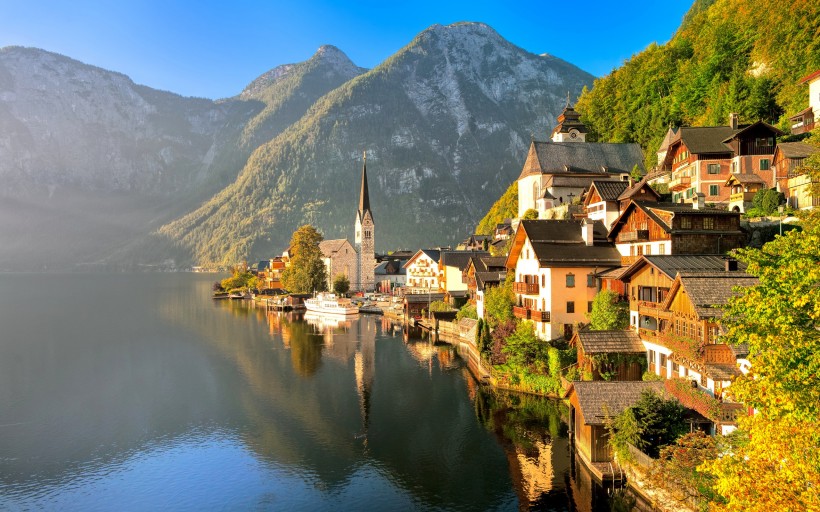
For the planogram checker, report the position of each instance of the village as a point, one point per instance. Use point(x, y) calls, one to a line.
point(597, 234)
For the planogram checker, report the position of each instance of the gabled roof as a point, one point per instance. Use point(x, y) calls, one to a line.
point(599, 400)
point(609, 342)
point(433, 254)
point(459, 259)
point(796, 149)
point(391, 268)
point(745, 179)
point(488, 263)
point(670, 265)
point(652, 210)
point(635, 190)
point(746, 128)
point(558, 243)
point(667, 139)
point(483, 279)
point(581, 158)
point(608, 190)
point(708, 291)
point(810, 77)
point(328, 247)
point(705, 139)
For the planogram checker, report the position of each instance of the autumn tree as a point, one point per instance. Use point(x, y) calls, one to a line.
point(608, 313)
point(306, 272)
point(775, 464)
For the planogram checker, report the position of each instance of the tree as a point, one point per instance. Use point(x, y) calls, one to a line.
point(467, 311)
point(776, 461)
point(767, 200)
point(608, 314)
point(341, 284)
point(653, 422)
point(240, 279)
point(306, 272)
point(523, 348)
point(498, 302)
point(531, 214)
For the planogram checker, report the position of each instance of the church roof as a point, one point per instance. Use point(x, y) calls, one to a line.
point(569, 119)
point(582, 158)
point(328, 247)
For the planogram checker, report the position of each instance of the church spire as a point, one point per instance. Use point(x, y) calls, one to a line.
point(364, 195)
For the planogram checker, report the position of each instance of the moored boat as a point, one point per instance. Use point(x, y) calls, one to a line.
point(328, 303)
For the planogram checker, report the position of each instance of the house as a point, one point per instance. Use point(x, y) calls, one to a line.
point(605, 200)
point(743, 188)
point(795, 184)
point(681, 335)
point(557, 171)
point(616, 355)
point(452, 273)
point(592, 404)
point(475, 242)
point(700, 159)
point(423, 271)
point(803, 121)
point(269, 273)
point(674, 228)
point(340, 258)
point(555, 262)
point(483, 273)
point(417, 305)
point(390, 274)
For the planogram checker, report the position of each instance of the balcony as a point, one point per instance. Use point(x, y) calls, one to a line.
point(525, 313)
point(653, 309)
point(525, 288)
point(629, 260)
point(802, 127)
point(521, 312)
point(639, 235)
point(745, 197)
point(680, 183)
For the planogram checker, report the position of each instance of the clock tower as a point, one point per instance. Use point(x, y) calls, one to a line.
point(365, 237)
point(570, 128)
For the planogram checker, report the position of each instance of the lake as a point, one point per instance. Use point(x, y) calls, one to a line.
point(139, 392)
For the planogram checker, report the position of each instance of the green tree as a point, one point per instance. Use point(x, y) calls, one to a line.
point(775, 460)
point(467, 311)
point(653, 422)
point(306, 272)
point(341, 284)
point(498, 303)
point(531, 214)
point(767, 200)
point(240, 279)
point(523, 348)
point(608, 314)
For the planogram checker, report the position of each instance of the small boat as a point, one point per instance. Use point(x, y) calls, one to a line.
point(328, 304)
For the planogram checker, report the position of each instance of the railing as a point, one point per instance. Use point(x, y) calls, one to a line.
point(802, 127)
point(745, 197)
point(681, 182)
point(652, 309)
point(750, 148)
point(639, 235)
point(521, 312)
point(540, 316)
point(525, 288)
point(629, 260)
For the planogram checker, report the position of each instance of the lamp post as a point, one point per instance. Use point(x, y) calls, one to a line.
point(780, 211)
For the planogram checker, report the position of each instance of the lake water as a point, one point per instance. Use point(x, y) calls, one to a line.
point(139, 392)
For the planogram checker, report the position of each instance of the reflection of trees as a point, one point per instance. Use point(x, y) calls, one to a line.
point(305, 348)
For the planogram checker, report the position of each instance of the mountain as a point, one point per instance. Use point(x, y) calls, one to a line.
point(92, 163)
point(744, 56)
point(445, 122)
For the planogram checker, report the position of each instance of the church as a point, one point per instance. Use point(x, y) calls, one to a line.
point(561, 169)
point(358, 261)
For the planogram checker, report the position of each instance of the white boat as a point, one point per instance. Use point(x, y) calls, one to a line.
point(328, 304)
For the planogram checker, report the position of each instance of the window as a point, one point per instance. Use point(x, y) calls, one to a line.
point(543, 280)
point(675, 368)
point(590, 280)
point(713, 190)
point(570, 280)
point(686, 222)
point(661, 249)
point(708, 223)
point(570, 306)
point(589, 307)
point(734, 167)
point(764, 164)
point(714, 168)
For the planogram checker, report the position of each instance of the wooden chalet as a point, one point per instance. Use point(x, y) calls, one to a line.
point(673, 228)
point(452, 274)
point(605, 200)
point(608, 352)
point(804, 121)
point(591, 405)
point(423, 271)
point(743, 188)
point(791, 179)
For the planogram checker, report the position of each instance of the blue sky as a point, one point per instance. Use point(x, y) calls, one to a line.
point(213, 49)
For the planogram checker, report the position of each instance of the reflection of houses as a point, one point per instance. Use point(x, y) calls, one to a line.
point(555, 262)
point(559, 170)
point(666, 228)
point(591, 405)
point(423, 271)
point(416, 304)
point(613, 354)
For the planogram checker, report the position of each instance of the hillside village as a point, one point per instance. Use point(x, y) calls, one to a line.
point(592, 221)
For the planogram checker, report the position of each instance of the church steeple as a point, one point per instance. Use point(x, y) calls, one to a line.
point(570, 128)
point(364, 195)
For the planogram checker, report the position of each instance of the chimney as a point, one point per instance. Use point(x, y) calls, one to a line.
point(587, 231)
point(698, 201)
point(731, 265)
point(631, 181)
point(733, 120)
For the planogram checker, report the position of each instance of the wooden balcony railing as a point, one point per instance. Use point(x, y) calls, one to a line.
point(745, 197)
point(629, 260)
point(680, 183)
point(531, 314)
point(521, 312)
point(802, 127)
point(652, 309)
point(639, 235)
point(525, 288)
